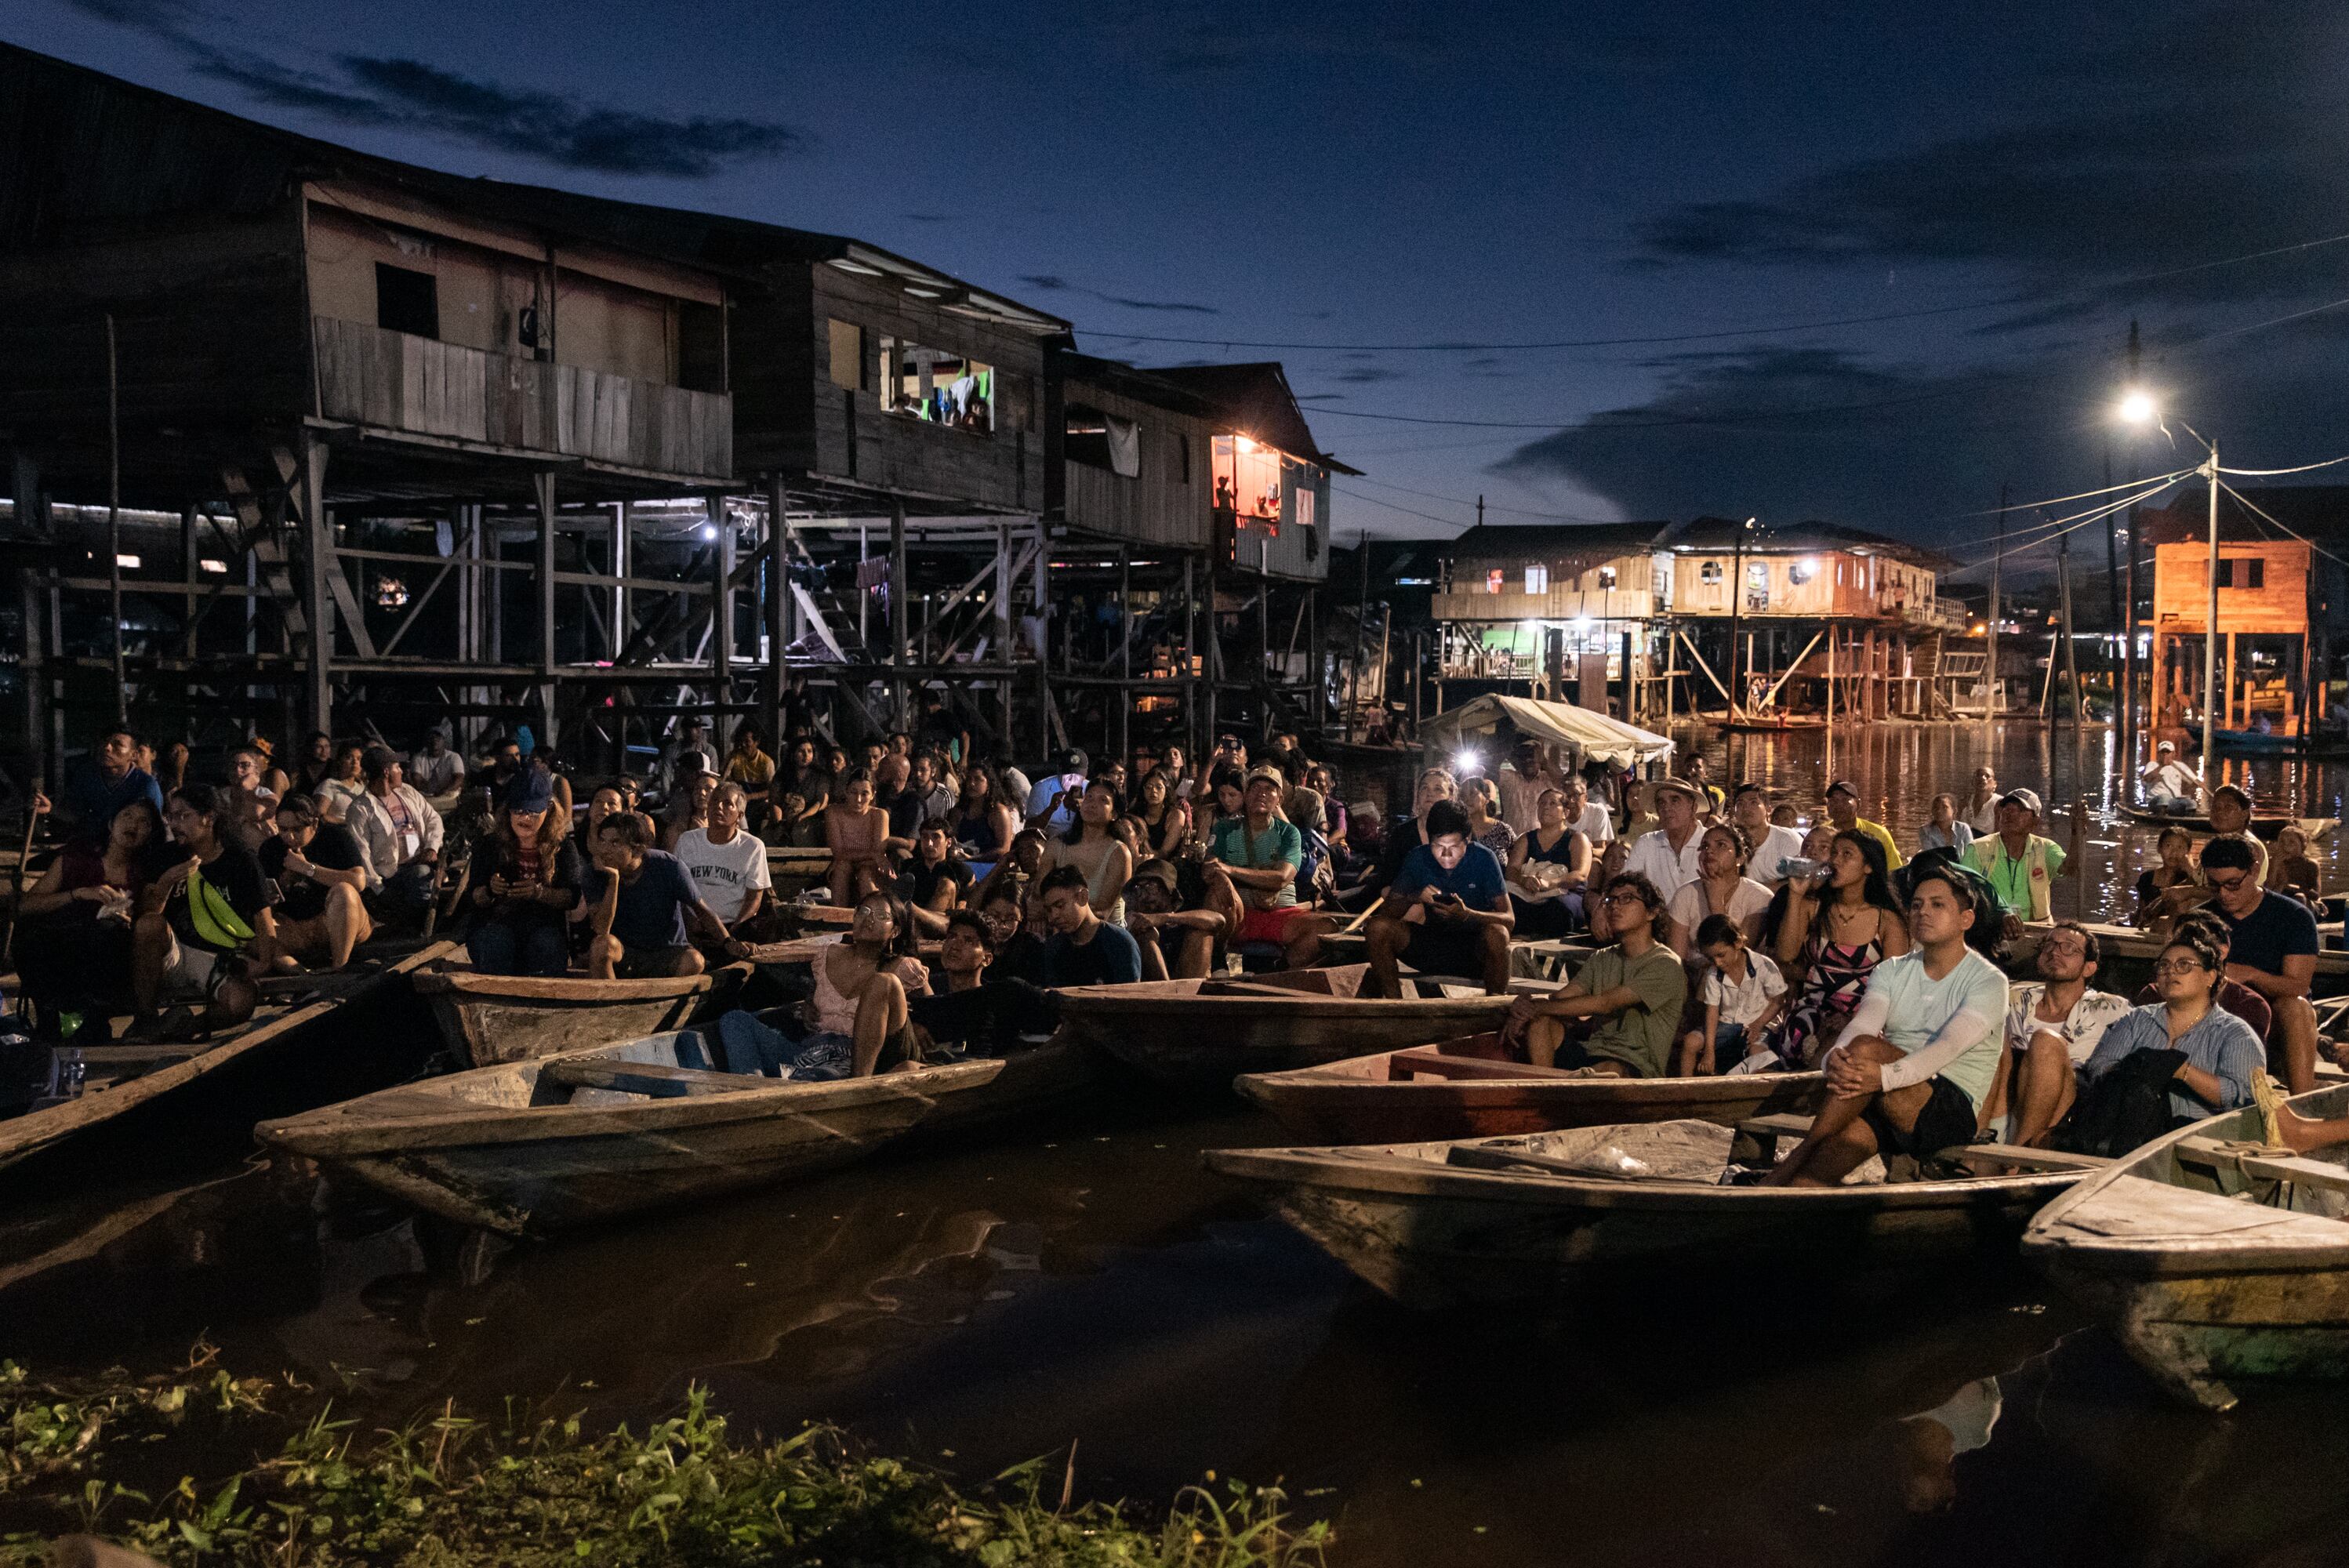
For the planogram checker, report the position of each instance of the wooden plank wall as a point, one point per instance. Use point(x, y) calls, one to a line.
point(2182, 588)
point(1004, 470)
point(1159, 507)
point(393, 381)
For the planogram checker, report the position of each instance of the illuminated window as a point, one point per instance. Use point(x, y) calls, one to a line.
point(1800, 571)
point(1537, 578)
point(1606, 577)
point(1247, 479)
point(1493, 581)
point(1709, 573)
point(936, 385)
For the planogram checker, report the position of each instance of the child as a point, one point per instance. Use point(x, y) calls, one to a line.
point(1744, 993)
point(2289, 869)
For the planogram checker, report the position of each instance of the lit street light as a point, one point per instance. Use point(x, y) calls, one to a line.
point(2137, 408)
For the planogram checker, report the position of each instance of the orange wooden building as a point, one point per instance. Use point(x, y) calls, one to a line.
point(2280, 602)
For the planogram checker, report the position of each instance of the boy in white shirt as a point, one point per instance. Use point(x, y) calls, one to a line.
point(1743, 994)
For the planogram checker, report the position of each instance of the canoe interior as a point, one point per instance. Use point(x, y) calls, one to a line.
point(1432, 1232)
point(489, 1018)
point(1468, 1087)
point(551, 1144)
point(2217, 1266)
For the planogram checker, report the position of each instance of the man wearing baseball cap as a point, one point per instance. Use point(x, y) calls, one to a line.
point(1843, 810)
point(2021, 866)
point(2171, 786)
point(1667, 856)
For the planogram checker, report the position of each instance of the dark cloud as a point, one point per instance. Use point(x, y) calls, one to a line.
point(1322, 397)
point(1365, 374)
point(2190, 136)
point(394, 92)
point(928, 217)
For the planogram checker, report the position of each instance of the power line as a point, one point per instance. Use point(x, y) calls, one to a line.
point(2003, 300)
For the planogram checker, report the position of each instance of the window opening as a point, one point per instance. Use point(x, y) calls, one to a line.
point(407, 301)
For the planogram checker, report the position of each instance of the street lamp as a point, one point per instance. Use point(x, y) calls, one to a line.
point(2137, 408)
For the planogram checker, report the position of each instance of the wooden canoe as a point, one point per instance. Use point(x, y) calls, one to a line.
point(1465, 1088)
point(1432, 1234)
point(538, 1147)
point(491, 1018)
point(1198, 1033)
point(2266, 824)
point(2218, 1266)
point(127, 1079)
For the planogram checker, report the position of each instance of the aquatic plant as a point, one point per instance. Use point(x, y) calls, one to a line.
point(201, 1467)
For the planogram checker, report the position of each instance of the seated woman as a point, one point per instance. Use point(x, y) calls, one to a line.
point(857, 832)
point(1722, 887)
point(73, 939)
point(688, 807)
point(857, 1016)
point(1840, 924)
point(344, 782)
point(1548, 870)
point(523, 883)
point(2168, 890)
point(1482, 797)
point(2290, 871)
point(2222, 1057)
point(984, 825)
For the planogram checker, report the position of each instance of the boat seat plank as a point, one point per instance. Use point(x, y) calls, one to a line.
point(2217, 1154)
point(645, 1078)
point(2297, 1169)
point(120, 1057)
point(1781, 1124)
point(1997, 1156)
point(1436, 1064)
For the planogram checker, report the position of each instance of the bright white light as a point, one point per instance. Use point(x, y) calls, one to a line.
point(128, 562)
point(2137, 408)
point(1466, 762)
point(708, 530)
point(208, 564)
point(1582, 623)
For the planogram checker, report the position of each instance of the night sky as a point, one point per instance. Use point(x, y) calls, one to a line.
point(1360, 180)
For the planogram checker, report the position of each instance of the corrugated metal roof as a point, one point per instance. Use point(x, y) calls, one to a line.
point(1257, 399)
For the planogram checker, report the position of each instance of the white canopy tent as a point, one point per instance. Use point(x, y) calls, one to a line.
point(1600, 738)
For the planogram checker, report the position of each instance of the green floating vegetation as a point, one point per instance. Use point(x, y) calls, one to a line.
point(202, 1467)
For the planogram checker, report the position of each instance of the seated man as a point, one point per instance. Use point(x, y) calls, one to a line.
point(1634, 990)
point(728, 865)
point(1158, 922)
point(2272, 949)
point(199, 920)
point(401, 834)
point(100, 785)
point(2052, 1026)
point(2171, 787)
point(640, 905)
point(438, 772)
point(1252, 867)
point(1910, 1071)
point(938, 880)
point(1448, 908)
point(1084, 949)
point(969, 1009)
point(320, 873)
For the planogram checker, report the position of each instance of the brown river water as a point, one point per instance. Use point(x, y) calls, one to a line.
point(1086, 1282)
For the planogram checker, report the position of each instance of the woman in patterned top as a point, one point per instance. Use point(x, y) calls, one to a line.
point(1836, 931)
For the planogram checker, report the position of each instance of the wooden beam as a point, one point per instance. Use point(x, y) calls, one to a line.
point(316, 608)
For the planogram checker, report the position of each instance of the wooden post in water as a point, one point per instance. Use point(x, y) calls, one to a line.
point(2071, 648)
point(1989, 668)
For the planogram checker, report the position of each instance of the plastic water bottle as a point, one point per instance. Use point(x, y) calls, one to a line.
point(71, 1072)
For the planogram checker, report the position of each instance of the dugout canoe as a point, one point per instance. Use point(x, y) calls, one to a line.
point(125, 1080)
point(487, 1019)
point(557, 1143)
point(1200, 1034)
point(1432, 1231)
point(2219, 1264)
point(2266, 824)
point(1467, 1089)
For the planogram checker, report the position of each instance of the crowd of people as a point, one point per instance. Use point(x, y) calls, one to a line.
point(1729, 934)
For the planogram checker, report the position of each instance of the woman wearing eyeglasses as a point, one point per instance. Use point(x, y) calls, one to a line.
point(2222, 1057)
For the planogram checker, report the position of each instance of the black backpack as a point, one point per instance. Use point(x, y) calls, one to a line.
point(2125, 1108)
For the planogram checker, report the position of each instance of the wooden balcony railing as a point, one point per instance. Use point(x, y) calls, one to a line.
point(396, 381)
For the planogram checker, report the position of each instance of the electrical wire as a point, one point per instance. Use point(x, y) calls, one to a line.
point(2263, 511)
point(2065, 525)
point(2267, 473)
point(2002, 302)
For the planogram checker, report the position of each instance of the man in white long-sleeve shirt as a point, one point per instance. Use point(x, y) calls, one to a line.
point(1911, 1070)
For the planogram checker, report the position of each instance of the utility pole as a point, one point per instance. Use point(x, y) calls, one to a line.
point(1736, 603)
point(2128, 704)
point(1990, 668)
point(2210, 637)
point(2071, 648)
point(2113, 588)
point(114, 521)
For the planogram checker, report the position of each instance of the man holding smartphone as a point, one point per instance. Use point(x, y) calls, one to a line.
point(1448, 908)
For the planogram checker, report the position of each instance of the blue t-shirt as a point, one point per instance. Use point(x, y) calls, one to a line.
point(93, 798)
point(1477, 880)
point(650, 911)
point(2277, 928)
point(1110, 958)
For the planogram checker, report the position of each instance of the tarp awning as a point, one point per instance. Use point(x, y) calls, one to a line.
point(1601, 738)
